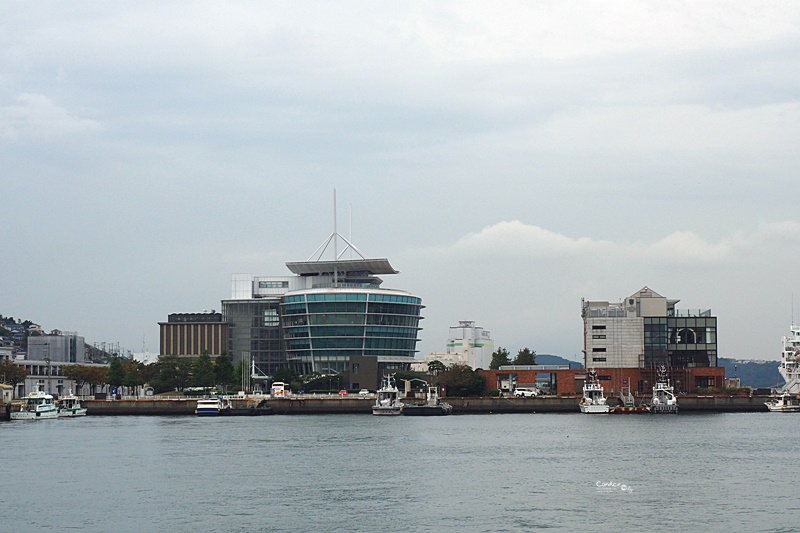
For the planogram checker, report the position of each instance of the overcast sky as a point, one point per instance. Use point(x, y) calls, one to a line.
point(509, 158)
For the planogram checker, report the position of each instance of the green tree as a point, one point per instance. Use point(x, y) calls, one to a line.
point(12, 374)
point(133, 376)
point(223, 371)
point(116, 372)
point(285, 375)
point(435, 367)
point(525, 356)
point(461, 380)
point(97, 377)
point(499, 358)
point(80, 374)
point(203, 372)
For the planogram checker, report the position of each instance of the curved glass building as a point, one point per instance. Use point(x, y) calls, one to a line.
point(325, 328)
point(330, 317)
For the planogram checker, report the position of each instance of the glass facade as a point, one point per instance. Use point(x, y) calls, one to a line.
point(255, 332)
point(323, 329)
point(680, 341)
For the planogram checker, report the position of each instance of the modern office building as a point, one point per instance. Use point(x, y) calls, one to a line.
point(330, 317)
point(647, 331)
point(192, 334)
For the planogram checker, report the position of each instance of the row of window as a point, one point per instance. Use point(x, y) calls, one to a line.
point(352, 297)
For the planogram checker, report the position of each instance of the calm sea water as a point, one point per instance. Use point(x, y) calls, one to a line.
point(721, 472)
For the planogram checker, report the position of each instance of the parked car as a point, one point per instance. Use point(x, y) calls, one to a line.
point(342, 392)
point(525, 392)
point(364, 393)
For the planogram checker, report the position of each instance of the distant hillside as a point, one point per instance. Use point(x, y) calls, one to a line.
point(547, 359)
point(757, 374)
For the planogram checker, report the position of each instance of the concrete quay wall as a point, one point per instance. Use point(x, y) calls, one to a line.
point(300, 405)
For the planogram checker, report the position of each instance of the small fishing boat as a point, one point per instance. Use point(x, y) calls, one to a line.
point(388, 401)
point(38, 405)
point(626, 404)
point(784, 403)
point(69, 406)
point(433, 405)
point(593, 401)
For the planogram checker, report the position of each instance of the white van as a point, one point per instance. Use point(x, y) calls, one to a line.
point(525, 392)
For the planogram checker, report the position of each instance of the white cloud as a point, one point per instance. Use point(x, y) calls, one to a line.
point(36, 116)
point(516, 238)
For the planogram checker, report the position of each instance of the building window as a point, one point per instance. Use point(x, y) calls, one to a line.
point(598, 327)
point(599, 359)
point(598, 349)
point(598, 336)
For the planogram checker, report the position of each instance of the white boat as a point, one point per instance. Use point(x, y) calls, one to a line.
point(593, 401)
point(784, 403)
point(790, 361)
point(70, 406)
point(388, 401)
point(664, 400)
point(788, 399)
point(208, 407)
point(37, 405)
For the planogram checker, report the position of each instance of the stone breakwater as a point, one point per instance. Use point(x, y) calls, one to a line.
point(323, 405)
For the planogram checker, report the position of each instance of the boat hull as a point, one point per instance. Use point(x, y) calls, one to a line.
point(663, 409)
point(34, 415)
point(72, 413)
point(426, 410)
point(387, 411)
point(623, 410)
point(595, 409)
point(246, 411)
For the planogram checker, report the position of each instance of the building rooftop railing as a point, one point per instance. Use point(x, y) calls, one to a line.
point(692, 312)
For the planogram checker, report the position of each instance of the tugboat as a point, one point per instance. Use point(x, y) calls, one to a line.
point(388, 401)
point(788, 400)
point(593, 401)
point(664, 400)
point(37, 405)
point(433, 405)
point(69, 406)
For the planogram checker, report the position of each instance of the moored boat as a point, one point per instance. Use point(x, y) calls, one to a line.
point(593, 401)
point(388, 401)
point(664, 401)
point(433, 405)
point(788, 397)
point(626, 404)
point(784, 403)
point(38, 405)
point(69, 406)
point(208, 407)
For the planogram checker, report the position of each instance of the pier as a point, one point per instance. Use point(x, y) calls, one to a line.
point(299, 405)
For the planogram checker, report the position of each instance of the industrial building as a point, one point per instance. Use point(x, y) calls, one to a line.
point(467, 344)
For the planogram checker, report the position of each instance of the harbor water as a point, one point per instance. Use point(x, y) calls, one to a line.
point(514, 472)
